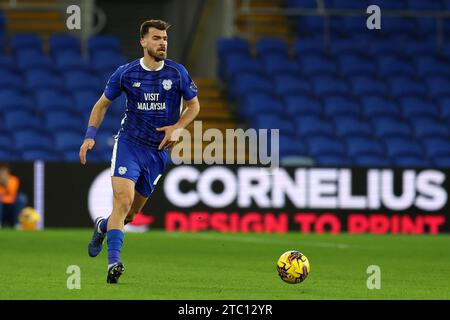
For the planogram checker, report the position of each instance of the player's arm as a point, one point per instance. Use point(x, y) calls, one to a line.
point(172, 133)
point(96, 118)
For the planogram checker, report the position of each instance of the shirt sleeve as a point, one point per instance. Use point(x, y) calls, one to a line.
point(188, 86)
point(113, 87)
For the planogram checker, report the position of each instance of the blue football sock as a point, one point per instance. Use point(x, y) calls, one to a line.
point(115, 241)
point(104, 225)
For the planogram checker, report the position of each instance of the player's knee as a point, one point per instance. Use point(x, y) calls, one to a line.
point(123, 201)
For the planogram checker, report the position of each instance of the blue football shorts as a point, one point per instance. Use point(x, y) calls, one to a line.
point(142, 165)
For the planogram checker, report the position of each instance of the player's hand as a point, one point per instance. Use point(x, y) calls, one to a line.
point(172, 136)
point(88, 144)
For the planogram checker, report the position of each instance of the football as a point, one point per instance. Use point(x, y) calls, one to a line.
point(293, 267)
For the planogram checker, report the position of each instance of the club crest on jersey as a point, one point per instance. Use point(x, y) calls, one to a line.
point(167, 84)
point(122, 170)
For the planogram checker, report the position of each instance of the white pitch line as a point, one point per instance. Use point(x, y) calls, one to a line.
point(250, 239)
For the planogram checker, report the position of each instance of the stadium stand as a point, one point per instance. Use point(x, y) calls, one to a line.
point(47, 89)
point(378, 98)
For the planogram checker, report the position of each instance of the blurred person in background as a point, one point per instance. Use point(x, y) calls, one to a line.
point(11, 200)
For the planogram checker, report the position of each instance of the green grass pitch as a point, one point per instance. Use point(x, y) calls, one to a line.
point(208, 265)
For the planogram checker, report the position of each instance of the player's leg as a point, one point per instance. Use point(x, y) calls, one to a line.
point(138, 203)
point(123, 192)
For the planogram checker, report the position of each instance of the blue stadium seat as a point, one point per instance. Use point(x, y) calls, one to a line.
point(444, 106)
point(67, 141)
point(288, 84)
point(49, 99)
point(314, 64)
point(15, 100)
point(328, 85)
point(271, 45)
point(104, 141)
point(340, 105)
point(432, 66)
point(277, 64)
point(274, 122)
point(290, 146)
point(438, 86)
point(20, 119)
point(29, 41)
point(354, 64)
point(441, 161)
point(245, 83)
point(349, 126)
point(428, 128)
point(363, 146)
point(34, 60)
point(404, 86)
point(389, 4)
point(373, 106)
point(346, 46)
point(390, 65)
point(367, 85)
point(390, 127)
point(398, 25)
point(397, 147)
point(67, 61)
point(311, 126)
point(380, 47)
point(85, 100)
point(32, 140)
point(7, 63)
point(308, 45)
point(310, 25)
point(72, 155)
point(304, 105)
point(32, 155)
point(5, 141)
point(350, 25)
point(235, 64)
point(63, 42)
point(422, 48)
point(103, 42)
point(416, 107)
point(63, 120)
point(79, 80)
point(227, 46)
point(436, 147)
point(106, 60)
point(371, 161)
point(333, 161)
point(411, 162)
point(258, 103)
point(426, 25)
point(419, 5)
point(10, 80)
point(43, 79)
point(323, 146)
point(110, 124)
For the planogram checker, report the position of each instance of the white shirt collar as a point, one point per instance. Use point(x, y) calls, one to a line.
point(145, 68)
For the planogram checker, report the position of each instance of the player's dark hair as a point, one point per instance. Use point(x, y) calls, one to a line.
point(157, 24)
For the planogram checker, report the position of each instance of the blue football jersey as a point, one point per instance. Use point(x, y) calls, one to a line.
point(154, 98)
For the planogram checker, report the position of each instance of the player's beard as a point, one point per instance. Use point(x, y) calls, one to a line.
point(157, 54)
